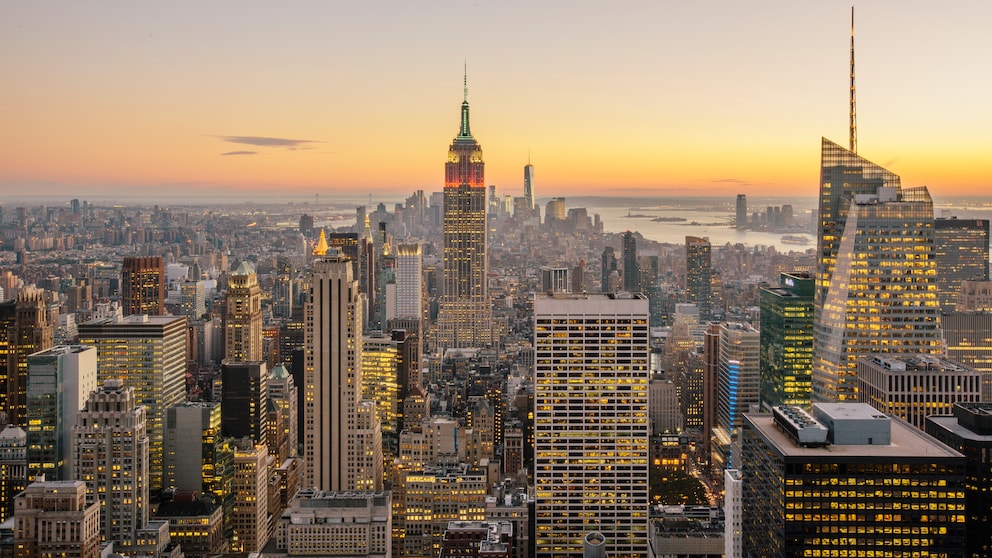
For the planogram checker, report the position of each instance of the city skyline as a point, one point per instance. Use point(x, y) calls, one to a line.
point(646, 100)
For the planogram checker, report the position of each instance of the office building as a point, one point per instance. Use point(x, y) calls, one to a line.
point(787, 341)
point(741, 220)
point(968, 429)
point(60, 380)
point(961, 248)
point(193, 303)
point(555, 279)
point(149, 354)
point(53, 518)
point(409, 282)
point(848, 480)
point(426, 499)
point(881, 263)
point(738, 380)
point(608, 263)
point(913, 387)
point(197, 457)
point(382, 362)
point(733, 507)
point(342, 436)
point(322, 523)
point(143, 286)
point(195, 523)
point(529, 185)
point(243, 316)
point(250, 517)
point(110, 449)
point(465, 312)
point(631, 271)
point(591, 415)
point(477, 539)
point(975, 296)
point(968, 338)
point(283, 434)
point(13, 467)
point(699, 275)
point(244, 400)
point(26, 329)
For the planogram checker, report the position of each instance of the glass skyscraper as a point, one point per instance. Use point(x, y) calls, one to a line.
point(787, 341)
point(698, 275)
point(876, 287)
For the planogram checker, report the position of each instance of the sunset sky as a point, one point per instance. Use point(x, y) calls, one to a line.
point(655, 98)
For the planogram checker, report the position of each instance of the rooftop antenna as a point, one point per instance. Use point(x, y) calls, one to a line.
point(854, 113)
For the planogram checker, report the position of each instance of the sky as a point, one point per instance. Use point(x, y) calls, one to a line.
point(652, 98)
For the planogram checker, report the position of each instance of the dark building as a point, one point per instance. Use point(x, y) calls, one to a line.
point(741, 211)
point(699, 275)
point(969, 430)
point(609, 267)
point(787, 341)
point(968, 338)
point(244, 395)
point(961, 247)
point(143, 286)
point(631, 275)
point(848, 481)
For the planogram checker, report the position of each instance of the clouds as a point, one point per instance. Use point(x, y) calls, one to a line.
point(263, 141)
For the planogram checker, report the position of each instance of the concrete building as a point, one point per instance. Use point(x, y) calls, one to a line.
point(52, 518)
point(243, 316)
point(914, 387)
point(250, 517)
point(699, 275)
point(591, 415)
point(320, 523)
point(13, 467)
point(110, 449)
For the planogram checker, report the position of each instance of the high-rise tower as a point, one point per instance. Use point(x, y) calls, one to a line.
point(591, 421)
point(631, 273)
point(529, 184)
point(342, 436)
point(465, 313)
point(243, 319)
point(699, 275)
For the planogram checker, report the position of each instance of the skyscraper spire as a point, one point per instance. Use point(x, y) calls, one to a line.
point(464, 132)
point(854, 112)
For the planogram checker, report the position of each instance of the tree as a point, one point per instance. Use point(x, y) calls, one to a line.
point(675, 487)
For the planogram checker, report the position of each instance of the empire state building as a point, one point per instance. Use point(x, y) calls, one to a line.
point(465, 313)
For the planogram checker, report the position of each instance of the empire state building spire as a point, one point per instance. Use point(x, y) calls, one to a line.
point(464, 132)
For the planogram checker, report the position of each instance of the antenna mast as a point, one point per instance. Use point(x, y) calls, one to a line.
point(854, 113)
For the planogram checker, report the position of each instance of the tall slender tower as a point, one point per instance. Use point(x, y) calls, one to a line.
point(243, 320)
point(631, 273)
point(699, 275)
point(342, 436)
point(529, 184)
point(465, 313)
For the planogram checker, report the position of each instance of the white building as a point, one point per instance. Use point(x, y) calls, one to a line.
point(319, 523)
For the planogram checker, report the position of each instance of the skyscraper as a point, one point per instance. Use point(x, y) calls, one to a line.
point(737, 389)
point(143, 285)
point(631, 273)
point(961, 248)
point(876, 289)
point(342, 438)
point(529, 184)
point(110, 447)
point(608, 263)
point(591, 421)
point(699, 275)
point(25, 329)
point(149, 354)
point(847, 480)
point(409, 281)
point(243, 318)
point(59, 381)
point(741, 221)
point(465, 313)
point(787, 341)
point(244, 400)
point(53, 518)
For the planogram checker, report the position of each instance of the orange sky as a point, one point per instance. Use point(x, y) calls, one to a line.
point(643, 97)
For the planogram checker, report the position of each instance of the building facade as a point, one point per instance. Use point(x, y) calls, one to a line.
point(149, 354)
point(591, 415)
point(848, 481)
point(110, 449)
point(881, 260)
point(465, 312)
point(143, 285)
point(243, 316)
point(787, 341)
point(961, 247)
point(699, 275)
